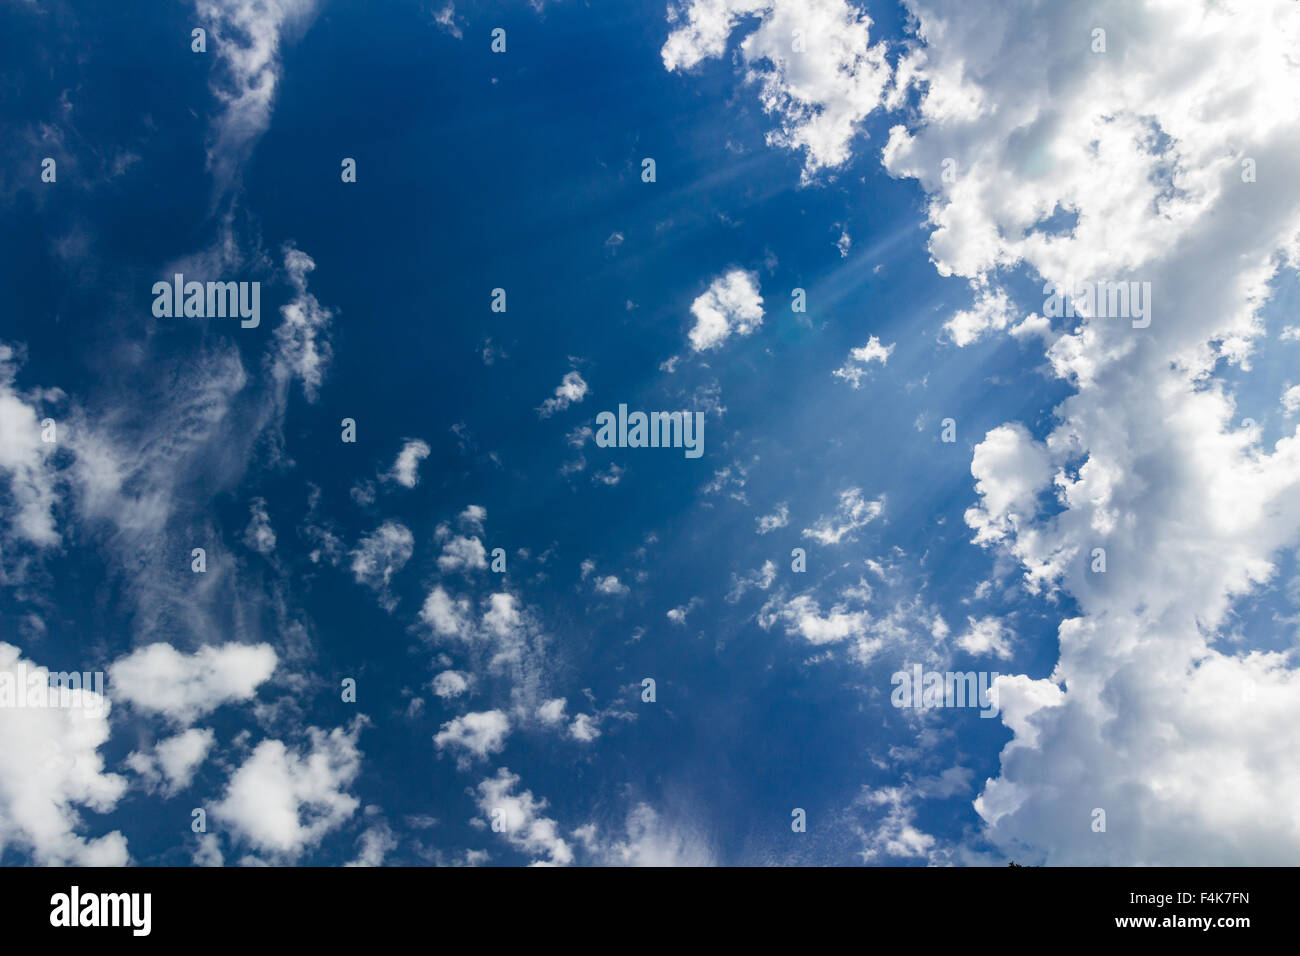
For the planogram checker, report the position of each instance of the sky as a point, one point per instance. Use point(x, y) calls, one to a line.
point(363, 575)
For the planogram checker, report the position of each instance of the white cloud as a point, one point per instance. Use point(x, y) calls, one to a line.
point(184, 687)
point(449, 617)
point(244, 38)
point(731, 304)
point(49, 768)
point(376, 843)
point(462, 554)
point(777, 519)
point(258, 535)
point(445, 18)
point(24, 458)
point(381, 554)
point(610, 585)
point(406, 469)
point(477, 734)
point(760, 578)
point(552, 712)
point(895, 834)
point(302, 351)
point(853, 512)
point(1291, 400)
point(173, 762)
point(472, 518)
point(1010, 469)
point(648, 840)
point(813, 62)
point(584, 728)
point(450, 684)
point(987, 636)
point(856, 365)
point(525, 828)
point(991, 312)
point(1148, 714)
point(282, 802)
point(572, 389)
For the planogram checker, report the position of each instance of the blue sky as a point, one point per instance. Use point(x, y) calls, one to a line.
point(1152, 691)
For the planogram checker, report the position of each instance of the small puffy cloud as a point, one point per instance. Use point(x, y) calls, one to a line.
point(988, 635)
point(462, 554)
point(406, 469)
point(856, 365)
point(524, 826)
point(448, 616)
point(777, 519)
point(678, 614)
point(611, 586)
point(450, 684)
point(854, 512)
point(503, 617)
point(381, 554)
point(445, 18)
point(173, 761)
point(281, 801)
point(584, 728)
point(571, 390)
point(552, 712)
point(730, 305)
point(258, 535)
point(472, 518)
point(475, 734)
point(376, 843)
point(183, 687)
point(302, 350)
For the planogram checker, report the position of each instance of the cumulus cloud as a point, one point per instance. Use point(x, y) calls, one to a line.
point(552, 712)
point(856, 366)
point(812, 60)
point(572, 389)
point(611, 586)
point(521, 821)
point(988, 636)
point(406, 469)
point(450, 684)
point(173, 762)
point(282, 801)
point(731, 304)
point(51, 769)
point(462, 554)
point(476, 734)
point(184, 687)
point(1142, 154)
point(381, 554)
point(448, 616)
